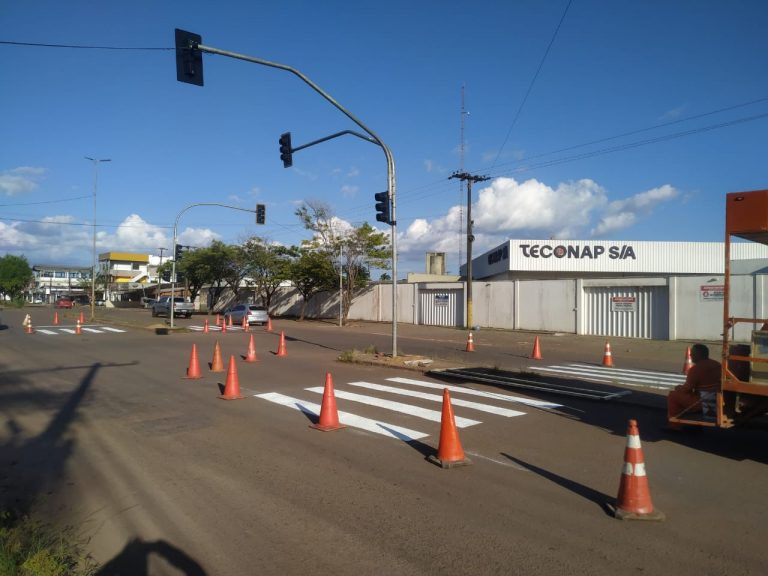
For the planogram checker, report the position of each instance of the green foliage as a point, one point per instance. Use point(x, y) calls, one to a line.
point(15, 275)
point(312, 272)
point(265, 266)
point(29, 548)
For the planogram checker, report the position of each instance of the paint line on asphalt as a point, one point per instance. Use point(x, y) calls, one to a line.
point(67, 330)
point(49, 332)
point(92, 330)
point(109, 329)
point(346, 418)
point(677, 378)
point(472, 392)
point(506, 412)
point(411, 410)
point(607, 378)
point(500, 462)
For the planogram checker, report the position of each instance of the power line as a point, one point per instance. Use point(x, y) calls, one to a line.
point(46, 201)
point(80, 46)
point(533, 81)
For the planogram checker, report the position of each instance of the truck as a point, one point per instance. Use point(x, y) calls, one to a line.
point(180, 307)
point(743, 393)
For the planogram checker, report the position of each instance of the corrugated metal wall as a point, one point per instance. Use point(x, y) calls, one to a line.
point(441, 307)
point(648, 320)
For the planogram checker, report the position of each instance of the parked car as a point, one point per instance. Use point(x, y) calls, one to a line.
point(148, 302)
point(180, 307)
point(256, 314)
point(64, 302)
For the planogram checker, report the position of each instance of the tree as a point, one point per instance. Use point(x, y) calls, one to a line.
point(312, 272)
point(15, 276)
point(361, 247)
point(266, 266)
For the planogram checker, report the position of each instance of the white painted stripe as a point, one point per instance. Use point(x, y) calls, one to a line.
point(109, 329)
point(93, 330)
point(640, 469)
point(627, 471)
point(666, 375)
point(633, 441)
point(606, 379)
point(471, 392)
point(438, 398)
point(49, 332)
point(67, 330)
point(507, 464)
point(375, 426)
point(425, 413)
point(614, 376)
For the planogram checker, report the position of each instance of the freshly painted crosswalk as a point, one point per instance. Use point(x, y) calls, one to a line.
point(59, 330)
point(404, 387)
point(625, 377)
point(214, 328)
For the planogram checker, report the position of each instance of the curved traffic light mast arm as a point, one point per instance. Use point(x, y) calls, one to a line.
point(387, 152)
point(175, 228)
point(332, 136)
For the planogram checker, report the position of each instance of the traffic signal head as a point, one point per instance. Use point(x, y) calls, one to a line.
point(383, 205)
point(261, 214)
point(189, 60)
point(177, 252)
point(286, 153)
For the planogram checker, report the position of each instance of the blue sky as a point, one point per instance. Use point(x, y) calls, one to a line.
point(642, 116)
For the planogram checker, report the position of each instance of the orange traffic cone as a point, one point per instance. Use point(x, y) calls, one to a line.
point(29, 329)
point(536, 354)
point(245, 324)
point(218, 320)
point(607, 356)
point(205, 327)
point(82, 317)
point(78, 327)
point(449, 452)
point(251, 354)
point(269, 324)
point(329, 414)
point(281, 350)
point(224, 325)
point(217, 364)
point(55, 318)
point(230, 320)
point(634, 499)
point(688, 362)
point(232, 386)
point(470, 343)
point(193, 371)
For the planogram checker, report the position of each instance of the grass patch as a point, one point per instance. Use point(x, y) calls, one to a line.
point(347, 356)
point(31, 548)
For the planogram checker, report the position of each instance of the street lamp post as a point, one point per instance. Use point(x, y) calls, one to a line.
point(96, 162)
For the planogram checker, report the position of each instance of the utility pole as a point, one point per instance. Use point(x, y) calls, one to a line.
point(469, 179)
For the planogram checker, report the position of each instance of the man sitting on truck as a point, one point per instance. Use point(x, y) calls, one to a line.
point(697, 393)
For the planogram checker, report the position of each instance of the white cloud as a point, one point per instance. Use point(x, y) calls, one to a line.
point(20, 180)
point(428, 165)
point(349, 191)
point(353, 172)
point(621, 214)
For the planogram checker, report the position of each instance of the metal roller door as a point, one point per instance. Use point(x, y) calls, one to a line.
point(627, 311)
point(441, 307)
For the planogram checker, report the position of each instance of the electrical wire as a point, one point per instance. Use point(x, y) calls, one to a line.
point(80, 46)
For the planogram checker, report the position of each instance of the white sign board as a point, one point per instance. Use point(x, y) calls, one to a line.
point(712, 292)
point(623, 304)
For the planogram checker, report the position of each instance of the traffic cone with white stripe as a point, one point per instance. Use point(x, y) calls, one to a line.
point(230, 320)
point(224, 325)
point(281, 349)
point(217, 364)
point(193, 370)
point(536, 354)
point(29, 329)
point(78, 327)
point(250, 356)
point(245, 324)
point(688, 362)
point(205, 327)
point(218, 319)
point(329, 414)
point(607, 356)
point(232, 386)
point(450, 454)
point(634, 499)
point(470, 343)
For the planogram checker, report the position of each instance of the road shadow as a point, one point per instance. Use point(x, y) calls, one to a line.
point(134, 560)
point(602, 500)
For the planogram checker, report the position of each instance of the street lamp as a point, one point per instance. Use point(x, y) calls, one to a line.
point(96, 162)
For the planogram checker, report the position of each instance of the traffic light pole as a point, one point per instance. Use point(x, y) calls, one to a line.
point(175, 228)
point(195, 46)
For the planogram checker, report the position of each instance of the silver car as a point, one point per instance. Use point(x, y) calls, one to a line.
point(256, 314)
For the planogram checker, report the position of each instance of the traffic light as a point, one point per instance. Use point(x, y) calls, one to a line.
point(178, 252)
point(166, 275)
point(189, 60)
point(383, 207)
point(261, 214)
point(286, 153)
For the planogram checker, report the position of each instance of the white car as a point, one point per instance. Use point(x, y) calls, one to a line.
point(256, 314)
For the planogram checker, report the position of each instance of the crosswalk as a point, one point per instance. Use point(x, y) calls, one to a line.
point(214, 328)
point(85, 329)
point(602, 374)
point(376, 401)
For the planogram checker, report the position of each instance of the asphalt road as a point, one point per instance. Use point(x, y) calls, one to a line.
point(102, 432)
